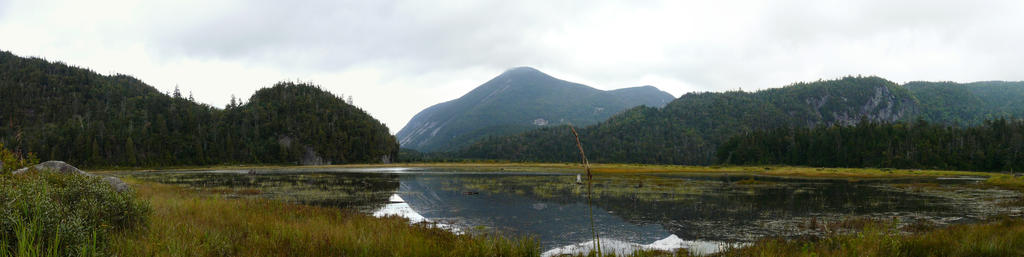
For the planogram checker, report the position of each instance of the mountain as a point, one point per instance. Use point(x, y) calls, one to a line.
point(970, 103)
point(76, 115)
point(518, 100)
point(690, 129)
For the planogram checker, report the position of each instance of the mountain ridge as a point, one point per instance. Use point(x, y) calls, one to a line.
point(517, 100)
point(690, 128)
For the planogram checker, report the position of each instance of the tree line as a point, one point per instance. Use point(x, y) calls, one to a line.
point(73, 114)
point(995, 145)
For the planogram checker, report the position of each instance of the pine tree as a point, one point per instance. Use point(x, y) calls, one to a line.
point(129, 152)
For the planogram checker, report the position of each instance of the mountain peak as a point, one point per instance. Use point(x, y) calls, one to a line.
point(520, 99)
point(523, 71)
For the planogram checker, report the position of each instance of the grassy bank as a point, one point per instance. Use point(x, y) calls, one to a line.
point(1000, 237)
point(1003, 237)
point(186, 223)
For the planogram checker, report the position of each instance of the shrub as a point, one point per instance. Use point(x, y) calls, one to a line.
point(10, 161)
point(63, 215)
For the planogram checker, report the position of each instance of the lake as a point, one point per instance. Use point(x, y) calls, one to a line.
point(701, 212)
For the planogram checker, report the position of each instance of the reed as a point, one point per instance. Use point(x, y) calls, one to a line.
point(590, 192)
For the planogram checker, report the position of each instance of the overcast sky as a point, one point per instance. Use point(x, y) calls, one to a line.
point(397, 57)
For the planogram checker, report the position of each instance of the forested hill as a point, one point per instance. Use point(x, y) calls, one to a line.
point(690, 129)
point(994, 145)
point(518, 100)
point(74, 114)
point(968, 104)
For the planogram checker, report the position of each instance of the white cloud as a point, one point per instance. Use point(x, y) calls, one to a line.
point(398, 57)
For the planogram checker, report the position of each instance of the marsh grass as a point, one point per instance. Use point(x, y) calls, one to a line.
point(754, 182)
point(921, 186)
point(998, 237)
point(1007, 181)
point(47, 214)
point(771, 170)
point(638, 186)
point(1002, 237)
point(187, 223)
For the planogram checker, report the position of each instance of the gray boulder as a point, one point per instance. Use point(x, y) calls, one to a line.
point(55, 167)
point(64, 168)
point(118, 185)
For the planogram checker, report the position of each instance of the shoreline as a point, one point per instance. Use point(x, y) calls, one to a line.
point(1003, 180)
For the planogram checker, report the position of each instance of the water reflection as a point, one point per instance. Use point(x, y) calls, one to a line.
point(448, 198)
point(632, 209)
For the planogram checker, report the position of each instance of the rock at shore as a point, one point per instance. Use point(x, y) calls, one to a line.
point(55, 167)
point(64, 168)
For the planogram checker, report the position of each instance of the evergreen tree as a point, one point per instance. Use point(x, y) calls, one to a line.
point(129, 152)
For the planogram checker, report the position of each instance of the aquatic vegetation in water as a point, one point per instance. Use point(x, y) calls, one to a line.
point(359, 191)
point(646, 187)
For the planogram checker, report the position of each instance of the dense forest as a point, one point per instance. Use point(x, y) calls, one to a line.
point(690, 129)
point(968, 104)
point(67, 113)
point(996, 145)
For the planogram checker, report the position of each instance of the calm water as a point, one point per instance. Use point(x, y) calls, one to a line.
point(631, 208)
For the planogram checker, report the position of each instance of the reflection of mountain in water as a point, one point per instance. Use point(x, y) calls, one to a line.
point(361, 191)
point(554, 224)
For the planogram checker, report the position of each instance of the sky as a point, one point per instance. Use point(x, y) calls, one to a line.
point(396, 58)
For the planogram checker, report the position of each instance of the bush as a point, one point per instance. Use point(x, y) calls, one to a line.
point(10, 161)
point(63, 215)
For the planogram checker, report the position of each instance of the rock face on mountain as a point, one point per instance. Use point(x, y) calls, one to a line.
point(518, 100)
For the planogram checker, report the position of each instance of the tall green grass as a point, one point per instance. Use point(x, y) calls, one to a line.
point(186, 223)
point(30, 240)
point(46, 214)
